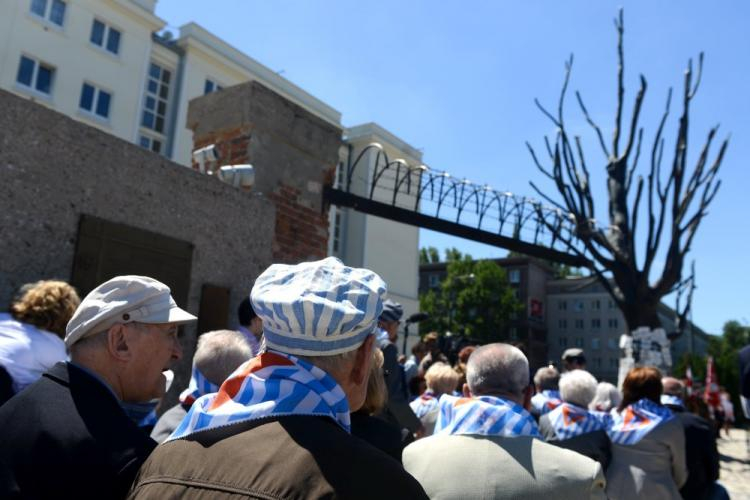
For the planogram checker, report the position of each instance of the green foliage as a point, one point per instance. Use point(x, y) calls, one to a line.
point(429, 255)
point(474, 299)
point(560, 270)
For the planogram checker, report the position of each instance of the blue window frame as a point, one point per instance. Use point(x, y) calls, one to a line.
point(95, 100)
point(97, 33)
point(26, 70)
point(51, 10)
point(105, 36)
point(35, 75)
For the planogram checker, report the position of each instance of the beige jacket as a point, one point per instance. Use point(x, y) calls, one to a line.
point(493, 467)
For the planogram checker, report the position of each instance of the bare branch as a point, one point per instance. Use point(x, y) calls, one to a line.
point(620, 27)
point(536, 162)
point(546, 113)
point(593, 124)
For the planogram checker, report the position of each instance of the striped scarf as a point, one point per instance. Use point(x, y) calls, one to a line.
point(634, 422)
point(570, 421)
point(485, 415)
point(199, 386)
point(546, 401)
point(424, 404)
point(270, 385)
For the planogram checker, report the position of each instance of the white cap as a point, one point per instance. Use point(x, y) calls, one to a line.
point(124, 299)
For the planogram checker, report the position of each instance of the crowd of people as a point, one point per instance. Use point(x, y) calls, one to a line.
point(309, 398)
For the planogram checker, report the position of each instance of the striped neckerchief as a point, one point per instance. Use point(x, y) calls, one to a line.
point(199, 386)
point(484, 415)
point(272, 384)
point(635, 421)
point(569, 420)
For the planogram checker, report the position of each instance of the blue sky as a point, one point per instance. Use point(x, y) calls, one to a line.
point(458, 79)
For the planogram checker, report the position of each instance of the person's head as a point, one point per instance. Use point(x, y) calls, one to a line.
point(574, 359)
point(498, 370)
point(463, 354)
point(577, 387)
point(547, 378)
point(377, 393)
point(441, 378)
point(325, 313)
point(641, 382)
point(247, 318)
point(125, 331)
point(219, 353)
point(417, 385)
point(431, 342)
point(48, 305)
point(419, 350)
point(673, 387)
point(607, 397)
point(390, 318)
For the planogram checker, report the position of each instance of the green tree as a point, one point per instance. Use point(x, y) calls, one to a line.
point(475, 299)
point(429, 255)
point(560, 270)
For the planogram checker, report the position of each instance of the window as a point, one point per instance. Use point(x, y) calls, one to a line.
point(562, 341)
point(579, 324)
point(611, 304)
point(514, 276)
point(596, 304)
point(50, 10)
point(211, 86)
point(95, 100)
point(613, 363)
point(150, 143)
point(579, 341)
point(105, 36)
point(337, 231)
point(613, 323)
point(35, 75)
point(154, 115)
point(578, 305)
point(595, 344)
point(611, 344)
point(562, 324)
point(434, 280)
point(513, 333)
point(517, 293)
point(562, 305)
point(596, 323)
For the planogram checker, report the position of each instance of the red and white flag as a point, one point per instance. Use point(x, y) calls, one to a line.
point(689, 381)
point(711, 393)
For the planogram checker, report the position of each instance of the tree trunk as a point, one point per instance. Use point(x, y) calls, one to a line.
point(642, 313)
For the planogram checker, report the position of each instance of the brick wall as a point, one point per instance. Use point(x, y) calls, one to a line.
point(294, 154)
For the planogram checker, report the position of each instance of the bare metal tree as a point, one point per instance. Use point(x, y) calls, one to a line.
point(675, 207)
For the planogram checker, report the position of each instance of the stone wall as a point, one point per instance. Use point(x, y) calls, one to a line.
point(53, 169)
point(294, 154)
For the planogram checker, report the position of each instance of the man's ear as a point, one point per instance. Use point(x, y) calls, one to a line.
point(466, 391)
point(118, 343)
point(361, 368)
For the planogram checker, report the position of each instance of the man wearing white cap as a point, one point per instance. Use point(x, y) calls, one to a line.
point(67, 435)
point(279, 427)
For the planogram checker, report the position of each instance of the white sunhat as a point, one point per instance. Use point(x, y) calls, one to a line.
point(124, 299)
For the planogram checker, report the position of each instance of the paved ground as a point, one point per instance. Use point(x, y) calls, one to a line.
point(734, 453)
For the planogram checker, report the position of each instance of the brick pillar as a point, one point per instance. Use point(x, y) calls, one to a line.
point(294, 154)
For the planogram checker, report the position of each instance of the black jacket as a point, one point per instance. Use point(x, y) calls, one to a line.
point(65, 436)
point(701, 454)
point(397, 410)
point(288, 457)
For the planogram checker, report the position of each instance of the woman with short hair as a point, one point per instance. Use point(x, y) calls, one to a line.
point(648, 443)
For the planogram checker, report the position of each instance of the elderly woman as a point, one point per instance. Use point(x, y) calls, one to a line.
point(571, 425)
point(441, 379)
point(31, 335)
point(607, 397)
point(648, 443)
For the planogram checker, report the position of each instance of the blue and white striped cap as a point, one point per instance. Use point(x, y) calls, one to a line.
point(317, 308)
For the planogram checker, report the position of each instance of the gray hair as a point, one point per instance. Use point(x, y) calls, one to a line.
point(547, 378)
point(607, 397)
point(497, 369)
point(578, 387)
point(333, 365)
point(219, 353)
point(673, 387)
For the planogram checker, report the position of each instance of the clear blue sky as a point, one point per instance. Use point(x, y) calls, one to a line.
point(458, 79)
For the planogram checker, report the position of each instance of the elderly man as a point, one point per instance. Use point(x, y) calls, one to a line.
point(486, 444)
point(67, 435)
point(571, 425)
point(218, 354)
point(701, 454)
point(279, 427)
point(397, 410)
point(547, 397)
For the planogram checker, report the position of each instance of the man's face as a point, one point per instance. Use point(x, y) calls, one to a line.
point(155, 348)
point(392, 328)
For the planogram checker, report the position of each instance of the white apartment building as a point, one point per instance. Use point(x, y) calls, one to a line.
point(110, 64)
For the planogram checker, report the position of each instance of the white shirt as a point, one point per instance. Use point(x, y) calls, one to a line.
point(26, 351)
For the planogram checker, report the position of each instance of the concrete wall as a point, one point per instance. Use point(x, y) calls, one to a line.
point(53, 169)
